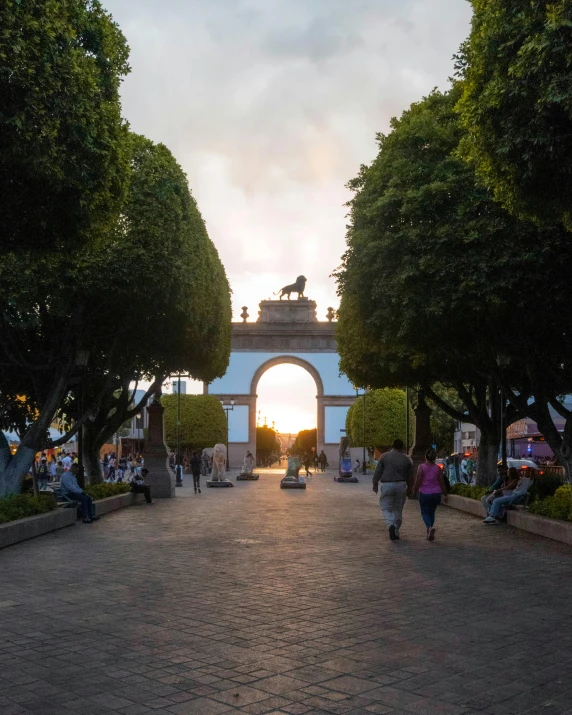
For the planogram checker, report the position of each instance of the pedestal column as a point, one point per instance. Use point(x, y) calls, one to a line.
point(161, 479)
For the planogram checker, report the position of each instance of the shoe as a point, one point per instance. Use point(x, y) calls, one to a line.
point(392, 533)
point(87, 521)
point(431, 534)
point(490, 520)
point(95, 518)
point(428, 530)
point(199, 491)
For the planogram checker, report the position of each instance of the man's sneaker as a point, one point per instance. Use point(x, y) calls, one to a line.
point(393, 533)
point(199, 490)
point(87, 521)
point(431, 534)
point(490, 520)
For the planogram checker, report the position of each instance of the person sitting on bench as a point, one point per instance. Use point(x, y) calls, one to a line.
point(138, 485)
point(71, 489)
point(500, 504)
point(503, 486)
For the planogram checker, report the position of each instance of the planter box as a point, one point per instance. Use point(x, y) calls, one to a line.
point(471, 506)
point(32, 526)
point(119, 501)
point(541, 525)
point(520, 519)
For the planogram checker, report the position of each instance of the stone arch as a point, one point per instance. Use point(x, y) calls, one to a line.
point(287, 359)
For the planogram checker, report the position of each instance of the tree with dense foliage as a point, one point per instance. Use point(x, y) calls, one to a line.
point(63, 159)
point(167, 309)
point(434, 273)
point(384, 419)
point(516, 106)
point(186, 325)
point(203, 421)
point(306, 442)
point(267, 445)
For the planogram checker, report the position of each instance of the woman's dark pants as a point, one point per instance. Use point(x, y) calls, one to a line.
point(428, 504)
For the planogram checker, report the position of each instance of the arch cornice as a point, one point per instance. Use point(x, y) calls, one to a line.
point(287, 359)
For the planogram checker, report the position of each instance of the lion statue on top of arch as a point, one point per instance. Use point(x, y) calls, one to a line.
point(298, 287)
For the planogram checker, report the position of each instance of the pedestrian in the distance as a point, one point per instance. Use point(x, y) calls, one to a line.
point(432, 490)
point(196, 465)
point(393, 471)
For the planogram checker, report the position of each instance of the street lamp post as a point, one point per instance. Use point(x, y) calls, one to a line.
point(363, 464)
point(227, 409)
point(81, 360)
point(406, 420)
point(179, 473)
point(502, 362)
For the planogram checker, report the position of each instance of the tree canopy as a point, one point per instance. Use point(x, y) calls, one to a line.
point(267, 444)
point(165, 308)
point(516, 105)
point(434, 272)
point(384, 418)
point(63, 157)
point(306, 441)
point(203, 421)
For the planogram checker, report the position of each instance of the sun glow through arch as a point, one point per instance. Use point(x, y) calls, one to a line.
point(287, 397)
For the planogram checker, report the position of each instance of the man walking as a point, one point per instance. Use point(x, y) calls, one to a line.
point(394, 471)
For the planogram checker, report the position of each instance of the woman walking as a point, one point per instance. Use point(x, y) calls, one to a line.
point(430, 484)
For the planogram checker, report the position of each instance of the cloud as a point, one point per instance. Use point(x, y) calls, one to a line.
point(271, 106)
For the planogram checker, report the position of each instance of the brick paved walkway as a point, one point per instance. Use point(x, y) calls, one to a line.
point(258, 600)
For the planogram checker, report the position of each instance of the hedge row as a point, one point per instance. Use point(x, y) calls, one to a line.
point(19, 506)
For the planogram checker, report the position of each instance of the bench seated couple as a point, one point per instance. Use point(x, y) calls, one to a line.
point(510, 489)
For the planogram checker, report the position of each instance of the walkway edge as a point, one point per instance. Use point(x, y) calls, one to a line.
point(542, 526)
point(24, 529)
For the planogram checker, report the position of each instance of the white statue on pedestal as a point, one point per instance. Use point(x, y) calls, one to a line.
point(219, 463)
point(248, 464)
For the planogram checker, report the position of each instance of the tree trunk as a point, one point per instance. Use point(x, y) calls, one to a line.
point(16, 470)
point(91, 459)
point(488, 459)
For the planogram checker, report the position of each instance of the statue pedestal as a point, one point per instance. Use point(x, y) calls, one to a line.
point(291, 483)
point(161, 479)
point(247, 477)
point(219, 483)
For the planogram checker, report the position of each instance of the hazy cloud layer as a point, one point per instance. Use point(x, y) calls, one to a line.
point(271, 106)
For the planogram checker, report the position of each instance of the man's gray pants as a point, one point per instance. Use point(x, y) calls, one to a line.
point(391, 500)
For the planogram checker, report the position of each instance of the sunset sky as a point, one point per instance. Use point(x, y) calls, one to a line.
point(271, 106)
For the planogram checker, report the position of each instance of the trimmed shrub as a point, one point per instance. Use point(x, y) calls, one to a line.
point(544, 486)
point(465, 490)
point(19, 506)
point(203, 421)
point(558, 506)
point(101, 491)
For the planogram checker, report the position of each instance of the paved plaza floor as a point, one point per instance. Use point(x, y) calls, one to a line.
point(259, 600)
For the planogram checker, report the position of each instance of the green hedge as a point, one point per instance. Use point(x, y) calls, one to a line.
point(464, 490)
point(101, 491)
point(558, 506)
point(20, 506)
